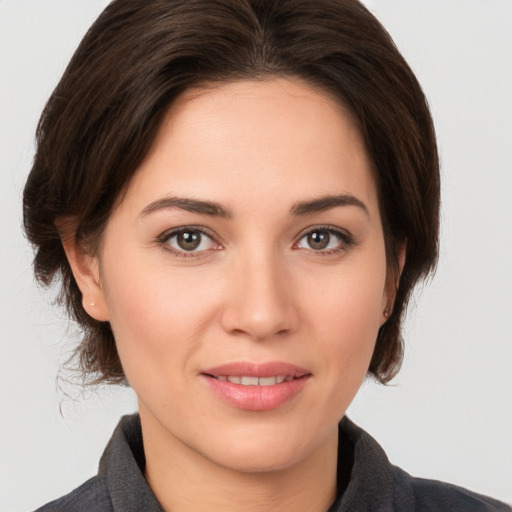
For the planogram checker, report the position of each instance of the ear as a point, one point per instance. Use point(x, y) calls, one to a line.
point(86, 270)
point(392, 283)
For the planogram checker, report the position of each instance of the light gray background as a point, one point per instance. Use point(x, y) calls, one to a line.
point(449, 413)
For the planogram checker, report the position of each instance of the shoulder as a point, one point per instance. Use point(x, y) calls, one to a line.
point(91, 495)
point(432, 495)
point(120, 484)
point(372, 483)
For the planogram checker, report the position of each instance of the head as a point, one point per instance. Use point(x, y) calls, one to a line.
point(141, 61)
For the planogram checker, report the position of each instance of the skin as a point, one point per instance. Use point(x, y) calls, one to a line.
point(255, 290)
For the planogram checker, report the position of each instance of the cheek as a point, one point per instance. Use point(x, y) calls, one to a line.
point(349, 299)
point(154, 311)
point(350, 333)
point(346, 313)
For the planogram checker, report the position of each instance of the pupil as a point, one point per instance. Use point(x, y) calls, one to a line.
point(318, 240)
point(189, 240)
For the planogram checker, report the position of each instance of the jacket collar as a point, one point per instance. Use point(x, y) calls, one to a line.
point(122, 468)
point(365, 481)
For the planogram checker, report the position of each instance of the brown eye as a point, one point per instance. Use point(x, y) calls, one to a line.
point(324, 240)
point(189, 241)
point(318, 240)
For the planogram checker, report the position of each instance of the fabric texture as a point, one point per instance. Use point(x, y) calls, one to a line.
point(367, 482)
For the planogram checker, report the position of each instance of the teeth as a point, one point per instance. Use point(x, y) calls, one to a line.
point(247, 380)
point(267, 381)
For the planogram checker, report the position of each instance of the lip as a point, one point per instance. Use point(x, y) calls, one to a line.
point(257, 370)
point(256, 398)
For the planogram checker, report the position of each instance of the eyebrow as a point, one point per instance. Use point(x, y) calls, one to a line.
point(322, 204)
point(190, 205)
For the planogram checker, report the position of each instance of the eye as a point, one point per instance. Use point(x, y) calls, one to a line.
point(188, 240)
point(325, 240)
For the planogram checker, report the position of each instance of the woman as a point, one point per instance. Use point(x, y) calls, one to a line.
point(240, 199)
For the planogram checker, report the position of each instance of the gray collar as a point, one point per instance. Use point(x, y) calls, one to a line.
point(362, 465)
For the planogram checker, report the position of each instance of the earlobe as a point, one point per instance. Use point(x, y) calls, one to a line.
point(86, 272)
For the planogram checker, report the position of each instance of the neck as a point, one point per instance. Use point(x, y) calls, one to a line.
point(185, 481)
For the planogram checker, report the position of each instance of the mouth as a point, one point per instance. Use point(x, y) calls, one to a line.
point(256, 387)
point(246, 380)
point(252, 374)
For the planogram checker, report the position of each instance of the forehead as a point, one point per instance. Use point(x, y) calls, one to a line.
point(257, 140)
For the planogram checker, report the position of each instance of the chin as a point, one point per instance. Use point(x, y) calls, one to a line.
point(257, 458)
point(264, 448)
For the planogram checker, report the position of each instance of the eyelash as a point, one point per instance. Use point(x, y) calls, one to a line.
point(346, 240)
point(164, 238)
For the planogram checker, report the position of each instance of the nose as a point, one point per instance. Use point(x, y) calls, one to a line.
point(259, 302)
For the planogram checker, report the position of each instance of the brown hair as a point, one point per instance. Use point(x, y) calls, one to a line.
point(140, 55)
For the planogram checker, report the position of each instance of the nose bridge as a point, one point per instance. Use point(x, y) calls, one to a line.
point(259, 302)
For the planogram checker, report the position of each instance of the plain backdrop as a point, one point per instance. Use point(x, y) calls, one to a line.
point(448, 415)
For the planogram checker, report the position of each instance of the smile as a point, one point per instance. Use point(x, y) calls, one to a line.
point(254, 381)
point(256, 387)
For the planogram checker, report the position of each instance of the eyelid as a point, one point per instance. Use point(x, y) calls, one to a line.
point(346, 237)
point(164, 238)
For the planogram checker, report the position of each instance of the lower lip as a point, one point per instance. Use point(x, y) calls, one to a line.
point(256, 398)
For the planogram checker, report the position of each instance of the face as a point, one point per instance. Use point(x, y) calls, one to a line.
point(244, 274)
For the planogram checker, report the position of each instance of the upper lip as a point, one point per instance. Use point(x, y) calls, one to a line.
point(269, 369)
